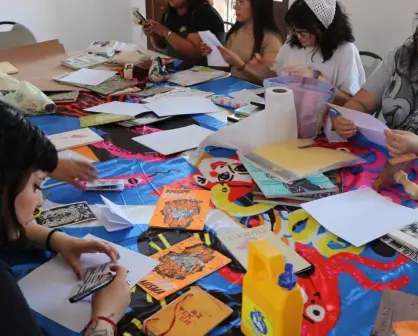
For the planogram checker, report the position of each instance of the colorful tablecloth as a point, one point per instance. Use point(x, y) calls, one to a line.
point(341, 296)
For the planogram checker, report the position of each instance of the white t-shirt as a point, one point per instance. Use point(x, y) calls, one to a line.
point(344, 70)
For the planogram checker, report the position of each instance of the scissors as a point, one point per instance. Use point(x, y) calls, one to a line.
point(38, 210)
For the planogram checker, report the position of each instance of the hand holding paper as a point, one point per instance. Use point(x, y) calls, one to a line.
point(401, 142)
point(214, 58)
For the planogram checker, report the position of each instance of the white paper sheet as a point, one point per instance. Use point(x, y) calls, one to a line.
point(119, 215)
point(77, 138)
point(88, 77)
point(179, 92)
point(247, 96)
point(215, 58)
point(173, 106)
point(119, 108)
point(47, 288)
point(174, 141)
point(371, 127)
point(360, 216)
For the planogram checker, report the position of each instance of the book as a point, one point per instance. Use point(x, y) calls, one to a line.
point(105, 48)
point(279, 201)
point(404, 241)
point(181, 265)
point(395, 309)
point(102, 119)
point(272, 187)
point(194, 313)
point(85, 60)
point(75, 138)
point(237, 243)
point(196, 75)
point(181, 209)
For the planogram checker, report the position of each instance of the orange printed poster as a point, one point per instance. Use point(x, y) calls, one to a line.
point(180, 266)
point(181, 209)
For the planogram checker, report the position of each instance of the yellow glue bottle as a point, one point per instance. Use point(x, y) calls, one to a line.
point(270, 308)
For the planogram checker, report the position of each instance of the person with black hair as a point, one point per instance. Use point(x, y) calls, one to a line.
point(254, 33)
point(22, 171)
point(393, 88)
point(177, 33)
point(319, 45)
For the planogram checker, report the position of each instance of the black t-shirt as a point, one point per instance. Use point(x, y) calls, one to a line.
point(201, 18)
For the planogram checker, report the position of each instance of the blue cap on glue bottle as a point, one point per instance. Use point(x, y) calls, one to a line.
point(287, 279)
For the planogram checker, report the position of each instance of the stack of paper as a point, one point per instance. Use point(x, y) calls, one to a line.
point(88, 77)
point(47, 289)
point(196, 76)
point(120, 108)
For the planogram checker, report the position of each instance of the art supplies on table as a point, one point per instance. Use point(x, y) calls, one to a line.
point(181, 209)
point(174, 106)
point(131, 91)
point(396, 309)
point(247, 111)
point(294, 160)
point(274, 188)
point(8, 68)
point(174, 141)
point(106, 185)
point(349, 215)
point(89, 77)
point(144, 119)
point(153, 91)
point(120, 108)
point(247, 96)
point(106, 48)
point(85, 60)
point(75, 138)
point(94, 278)
point(238, 243)
point(102, 119)
point(404, 241)
point(114, 217)
point(292, 202)
point(194, 313)
point(64, 97)
point(227, 102)
point(372, 128)
point(180, 265)
point(270, 292)
point(47, 288)
point(215, 58)
point(196, 75)
point(69, 214)
point(179, 92)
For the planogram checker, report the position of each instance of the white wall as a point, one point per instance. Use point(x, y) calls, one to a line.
point(37, 15)
point(380, 25)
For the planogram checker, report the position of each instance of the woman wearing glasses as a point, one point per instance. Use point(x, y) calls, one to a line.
point(255, 32)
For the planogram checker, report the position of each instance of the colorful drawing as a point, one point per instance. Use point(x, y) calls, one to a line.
point(181, 209)
point(181, 265)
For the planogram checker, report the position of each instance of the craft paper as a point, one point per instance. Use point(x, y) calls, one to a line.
point(360, 216)
point(215, 58)
point(172, 106)
point(196, 76)
point(181, 209)
point(88, 77)
point(75, 138)
point(47, 289)
point(120, 108)
point(174, 141)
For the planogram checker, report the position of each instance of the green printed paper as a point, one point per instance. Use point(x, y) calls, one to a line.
point(102, 119)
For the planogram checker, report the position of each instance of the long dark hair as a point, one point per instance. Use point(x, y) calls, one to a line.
point(263, 20)
point(300, 16)
point(23, 150)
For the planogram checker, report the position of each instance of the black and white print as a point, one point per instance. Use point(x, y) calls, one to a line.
point(69, 214)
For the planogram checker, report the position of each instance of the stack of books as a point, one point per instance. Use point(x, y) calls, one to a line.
point(272, 190)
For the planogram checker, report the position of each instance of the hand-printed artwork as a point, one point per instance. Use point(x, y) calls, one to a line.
point(75, 138)
point(181, 209)
point(411, 230)
point(181, 265)
point(66, 215)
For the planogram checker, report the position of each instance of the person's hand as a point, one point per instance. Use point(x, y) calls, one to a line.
point(401, 142)
point(72, 171)
point(231, 58)
point(72, 248)
point(112, 300)
point(152, 27)
point(205, 49)
point(298, 70)
point(344, 127)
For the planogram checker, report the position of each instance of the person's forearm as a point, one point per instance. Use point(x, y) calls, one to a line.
point(355, 105)
point(184, 46)
point(341, 98)
point(36, 234)
point(156, 41)
point(99, 328)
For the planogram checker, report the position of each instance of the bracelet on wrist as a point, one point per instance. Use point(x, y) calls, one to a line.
point(169, 36)
point(106, 319)
point(48, 239)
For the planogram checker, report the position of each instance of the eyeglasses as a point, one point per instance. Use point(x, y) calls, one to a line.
point(238, 3)
point(302, 33)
